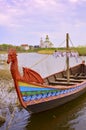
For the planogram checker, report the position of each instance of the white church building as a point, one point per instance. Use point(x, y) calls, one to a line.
point(47, 43)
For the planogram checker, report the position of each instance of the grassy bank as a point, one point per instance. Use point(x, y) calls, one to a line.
point(5, 74)
point(3, 52)
point(81, 50)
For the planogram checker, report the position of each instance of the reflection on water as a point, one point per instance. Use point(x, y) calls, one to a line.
point(17, 120)
point(71, 116)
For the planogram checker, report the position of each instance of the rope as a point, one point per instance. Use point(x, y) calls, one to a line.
point(61, 43)
point(44, 57)
point(39, 61)
point(71, 42)
point(73, 46)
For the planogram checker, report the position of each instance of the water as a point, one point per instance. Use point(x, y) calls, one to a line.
point(45, 64)
point(71, 116)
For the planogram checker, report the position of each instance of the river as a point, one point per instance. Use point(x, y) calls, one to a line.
point(46, 64)
point(71, 116)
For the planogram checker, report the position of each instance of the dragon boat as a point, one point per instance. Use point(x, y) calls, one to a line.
point(37, 94)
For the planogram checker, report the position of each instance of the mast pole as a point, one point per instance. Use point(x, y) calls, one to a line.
point(67, 57)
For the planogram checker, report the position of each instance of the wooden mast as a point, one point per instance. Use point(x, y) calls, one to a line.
point(67, 57)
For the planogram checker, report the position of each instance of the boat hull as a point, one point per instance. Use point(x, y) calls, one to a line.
point(55, 91)
point(44, 106)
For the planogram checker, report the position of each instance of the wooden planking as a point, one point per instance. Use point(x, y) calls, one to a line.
point(71, 80)
point(61, 83)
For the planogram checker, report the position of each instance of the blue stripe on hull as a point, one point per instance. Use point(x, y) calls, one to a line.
point(50, 94)
point(23, 88)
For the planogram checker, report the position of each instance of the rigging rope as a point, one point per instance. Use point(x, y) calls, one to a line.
point(73, 46)
point(61, 43)
point(71, 42)
point(74, 54)
point(39, 61)
point(44, 57)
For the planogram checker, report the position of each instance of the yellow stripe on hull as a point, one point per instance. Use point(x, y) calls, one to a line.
point(26, 85)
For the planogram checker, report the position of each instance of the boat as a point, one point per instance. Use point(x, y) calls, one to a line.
point(37, 94)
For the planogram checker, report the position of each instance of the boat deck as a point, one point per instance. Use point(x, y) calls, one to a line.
point(53, 80)
point(77, 75)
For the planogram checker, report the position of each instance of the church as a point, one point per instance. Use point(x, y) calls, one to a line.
point(47, 43)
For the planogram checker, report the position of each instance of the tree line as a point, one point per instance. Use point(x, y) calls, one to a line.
point(6, 47)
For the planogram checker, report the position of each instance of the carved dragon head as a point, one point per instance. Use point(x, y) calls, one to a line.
point(11, 55)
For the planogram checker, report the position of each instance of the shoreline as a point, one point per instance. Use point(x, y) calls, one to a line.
point(80, 49)
point(8, 96)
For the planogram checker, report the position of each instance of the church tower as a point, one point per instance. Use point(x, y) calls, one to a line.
point(41, 43)
point(47, 38)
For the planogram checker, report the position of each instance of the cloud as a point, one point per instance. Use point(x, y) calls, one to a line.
point(77, 1)
point(41, 17)
point(23, 11)
point(74, 1)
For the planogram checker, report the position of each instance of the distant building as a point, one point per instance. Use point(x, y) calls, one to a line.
point(47, 43)
point(41, 43)
point(25, 46)
point(36, 46)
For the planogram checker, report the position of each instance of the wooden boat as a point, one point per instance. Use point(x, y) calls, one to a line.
point(37, 94)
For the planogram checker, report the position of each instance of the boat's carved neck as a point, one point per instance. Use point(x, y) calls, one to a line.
point(12, 58)
point(14, 70)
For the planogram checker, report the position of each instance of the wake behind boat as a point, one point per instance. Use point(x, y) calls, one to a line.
point(37, 94)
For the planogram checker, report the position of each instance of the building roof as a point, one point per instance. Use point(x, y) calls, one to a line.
point(24, 44)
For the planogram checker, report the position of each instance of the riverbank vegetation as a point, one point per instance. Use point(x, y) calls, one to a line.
point(5, 74)
point(80, 50)
point(5, 47)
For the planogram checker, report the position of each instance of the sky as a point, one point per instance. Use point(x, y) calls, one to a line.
point(27, 21)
